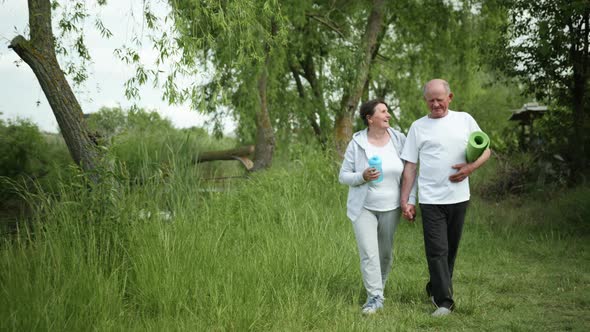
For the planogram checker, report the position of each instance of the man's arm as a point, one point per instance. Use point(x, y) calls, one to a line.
point(464, 170)
point(408, 177)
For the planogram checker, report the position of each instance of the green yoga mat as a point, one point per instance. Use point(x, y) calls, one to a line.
point(477, 144)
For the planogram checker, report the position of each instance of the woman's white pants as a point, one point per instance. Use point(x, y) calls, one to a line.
point(374, 232)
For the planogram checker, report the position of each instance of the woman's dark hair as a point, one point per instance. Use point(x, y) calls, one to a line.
point(368, 108)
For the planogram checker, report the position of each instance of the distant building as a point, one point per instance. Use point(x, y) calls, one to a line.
point(526, 117)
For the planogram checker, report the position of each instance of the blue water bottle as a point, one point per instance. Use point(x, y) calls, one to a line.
point(375, 162)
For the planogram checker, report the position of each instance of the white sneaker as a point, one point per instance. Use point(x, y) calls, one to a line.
point(441, 311)
point(373, 305)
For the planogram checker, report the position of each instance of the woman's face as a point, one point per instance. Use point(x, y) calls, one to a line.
point(379, 119)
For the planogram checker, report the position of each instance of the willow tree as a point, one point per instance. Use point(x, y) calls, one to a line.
point(324, 53)
point(237, 42)
point(39, 53)
point(454, 44)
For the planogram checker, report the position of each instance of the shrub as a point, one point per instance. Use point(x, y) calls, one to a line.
point(23, 149)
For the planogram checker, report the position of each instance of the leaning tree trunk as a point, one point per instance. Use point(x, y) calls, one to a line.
point(265, 138)
point(39, 54)
point(350, 99)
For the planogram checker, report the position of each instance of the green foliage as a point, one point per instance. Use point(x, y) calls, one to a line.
point(23, 149)
point(147, 144)
point(546, 45)
point(506, 174)
point(107, 122)
point(110, 122)
point(70, 43)
point(549, 34)
point(453, 45)
point(27, 154)
point(314, 54)
point(276, 252)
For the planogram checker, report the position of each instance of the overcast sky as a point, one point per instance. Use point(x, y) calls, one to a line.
point(20, 90)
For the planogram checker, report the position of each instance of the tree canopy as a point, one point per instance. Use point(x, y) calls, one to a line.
point(297, 70)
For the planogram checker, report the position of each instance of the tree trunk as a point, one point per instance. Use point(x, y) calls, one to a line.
point(242, 151)
point(350, 99)
point(581, 75)
point(265, 139)
point(310, 116)
point(239, 153)
point(309, 72)
point(39, 54)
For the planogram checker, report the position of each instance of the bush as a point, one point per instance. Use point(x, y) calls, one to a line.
point(23, 149)
point(29, 160)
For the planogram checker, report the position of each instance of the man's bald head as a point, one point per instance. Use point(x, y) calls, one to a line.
point(436, 83)
point(438, 96)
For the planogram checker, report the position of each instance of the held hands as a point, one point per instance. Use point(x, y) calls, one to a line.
point(463, 171)
point(371, 174)
point(409, 212)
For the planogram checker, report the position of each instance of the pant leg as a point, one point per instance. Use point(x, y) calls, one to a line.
point(388, 222)
point(456, 220)
point(434, 223)
point(365, 231)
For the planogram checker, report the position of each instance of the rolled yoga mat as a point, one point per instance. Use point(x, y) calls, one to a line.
point(477, 144)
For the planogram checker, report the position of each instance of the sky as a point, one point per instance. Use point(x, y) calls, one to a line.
point(21, 95)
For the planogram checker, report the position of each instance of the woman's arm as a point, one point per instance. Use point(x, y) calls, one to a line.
point(349, 174)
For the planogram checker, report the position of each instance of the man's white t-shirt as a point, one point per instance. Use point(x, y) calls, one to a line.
point(438, 144)
point(384, 195)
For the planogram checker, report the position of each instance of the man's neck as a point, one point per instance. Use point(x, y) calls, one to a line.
point(438, 117)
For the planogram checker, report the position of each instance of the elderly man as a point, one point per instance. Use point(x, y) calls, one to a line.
point(438, 141)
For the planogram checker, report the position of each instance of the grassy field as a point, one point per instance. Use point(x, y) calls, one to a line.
point(276, 252)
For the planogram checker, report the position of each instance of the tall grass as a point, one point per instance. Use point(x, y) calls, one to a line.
point(274, 252)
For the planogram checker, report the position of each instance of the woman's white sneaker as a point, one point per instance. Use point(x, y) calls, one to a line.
point(374, 304)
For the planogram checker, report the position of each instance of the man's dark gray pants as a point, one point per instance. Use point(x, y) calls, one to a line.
point(443, 225)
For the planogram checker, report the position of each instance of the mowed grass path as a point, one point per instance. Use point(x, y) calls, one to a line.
point(277, 253)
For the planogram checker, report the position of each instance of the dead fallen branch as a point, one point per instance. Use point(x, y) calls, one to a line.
point(241, 153)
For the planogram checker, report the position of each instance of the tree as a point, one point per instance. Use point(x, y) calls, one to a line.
point(548, 44)
point(321, 58)
point(239, 40)
point(39, 53)
point(354, 91)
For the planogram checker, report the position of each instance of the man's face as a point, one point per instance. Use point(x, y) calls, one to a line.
point(438, 100)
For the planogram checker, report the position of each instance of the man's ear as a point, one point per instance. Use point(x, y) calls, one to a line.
point(451, 96)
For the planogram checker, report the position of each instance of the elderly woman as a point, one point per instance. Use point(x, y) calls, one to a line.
point(374, 206)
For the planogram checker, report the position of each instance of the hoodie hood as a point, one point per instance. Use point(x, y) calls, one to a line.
point(361, 138)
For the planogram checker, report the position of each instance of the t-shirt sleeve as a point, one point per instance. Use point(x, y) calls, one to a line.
point(410, 150)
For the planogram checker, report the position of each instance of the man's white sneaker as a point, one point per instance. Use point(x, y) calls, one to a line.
point(441, 311)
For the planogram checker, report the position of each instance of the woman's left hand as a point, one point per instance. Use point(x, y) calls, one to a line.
point(371, 174)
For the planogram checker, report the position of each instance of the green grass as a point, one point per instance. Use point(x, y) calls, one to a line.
point(277, 253)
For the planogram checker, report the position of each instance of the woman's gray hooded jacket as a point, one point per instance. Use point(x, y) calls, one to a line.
point(355, 162)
